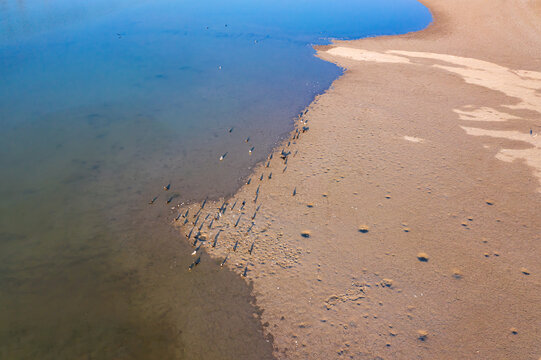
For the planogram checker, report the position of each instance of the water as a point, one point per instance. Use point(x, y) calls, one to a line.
point(104, 102)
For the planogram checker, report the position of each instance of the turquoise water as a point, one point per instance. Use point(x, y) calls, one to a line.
point(104, 102)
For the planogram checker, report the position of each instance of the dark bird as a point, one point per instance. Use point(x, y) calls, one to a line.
point(210, 224)
point(167, 187)
point(268, 163)
point(178, 216)
point(216, 238)
point(257, 190)
point(305, 128)
point(186, 214)
point(270, 176)
point(223, 156)
point(285, 168)
point(249, 181)
point(153, 200)
point(231, 129)
point(251, 248)
point(261, 178)
point(196, 249)
point(256, 196)
point(295, 191)
point(206, 217)
point(247, 139)
point(195, 263)
point(223, 207)
point(250, 228)
point(270, 157)
point(235, 247)
point(284, 154)
point(288, 143)
point(245, 271)
point(225, 259)
point(253, 216)
point(185, 221)
point(237, 223)
point(201, 226)
point(170, 199)
point(252, 149)
point(235, 203)
point(243, 203)
point(190, 233)
point(259, 207)
point(196, 220)
point(204, 203)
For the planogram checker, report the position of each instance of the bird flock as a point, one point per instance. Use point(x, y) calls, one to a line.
point(198, 236)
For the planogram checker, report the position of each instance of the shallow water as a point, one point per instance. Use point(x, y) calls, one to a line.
point(104, 102)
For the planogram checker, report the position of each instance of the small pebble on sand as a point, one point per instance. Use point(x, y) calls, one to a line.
point(387, 282)
point(514, 331)
point(489, 202)
point(324, 194)
point(457, 274)
point(422, 256)
point(422, 334)
point(406, 229)
point(364, 229)
point(310, 205)
point(524, 271)
point(305, 233)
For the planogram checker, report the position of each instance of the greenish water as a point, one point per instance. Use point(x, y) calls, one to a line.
point(103, 103)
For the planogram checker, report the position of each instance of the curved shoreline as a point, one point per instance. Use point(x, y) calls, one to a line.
point(431, 153)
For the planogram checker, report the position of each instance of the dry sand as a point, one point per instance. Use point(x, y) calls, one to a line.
point(415, 228)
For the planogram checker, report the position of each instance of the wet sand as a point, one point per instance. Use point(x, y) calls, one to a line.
point(405, 222)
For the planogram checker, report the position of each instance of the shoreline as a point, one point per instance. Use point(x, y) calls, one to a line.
point(410, 151)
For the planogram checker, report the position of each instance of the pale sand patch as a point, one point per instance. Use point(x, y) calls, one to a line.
point(531, 155)
point(413, 139)
point(365, 55)
point(523, 85)
point(483, 114)
point(520, 84)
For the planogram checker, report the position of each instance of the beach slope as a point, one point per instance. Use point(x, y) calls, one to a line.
point(402, 218)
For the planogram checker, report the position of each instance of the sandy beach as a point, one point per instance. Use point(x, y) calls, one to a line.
point(402, 218)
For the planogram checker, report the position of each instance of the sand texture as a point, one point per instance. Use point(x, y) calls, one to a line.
point(403, 220)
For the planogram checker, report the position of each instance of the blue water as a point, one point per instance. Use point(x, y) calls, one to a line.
point(104, 102)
